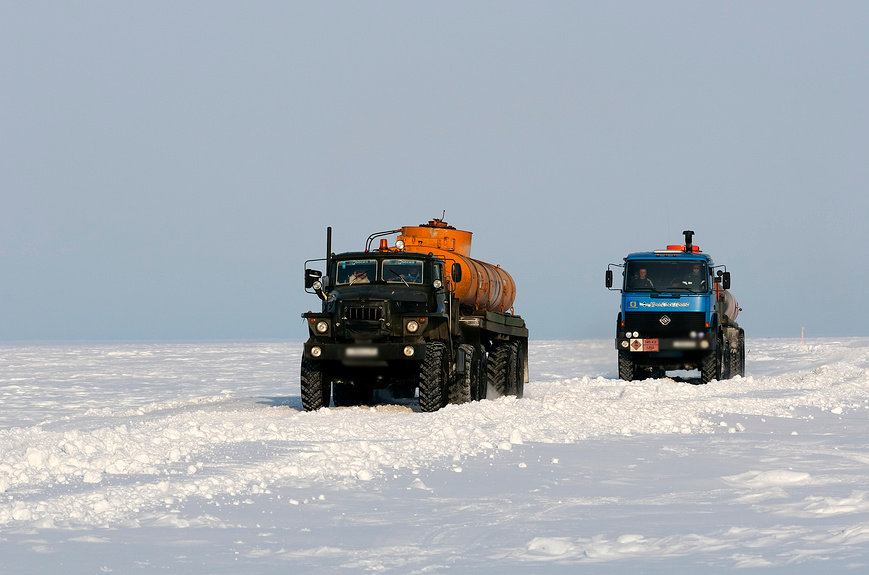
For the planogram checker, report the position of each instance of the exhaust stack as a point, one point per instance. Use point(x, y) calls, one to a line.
point(689, 247)
point(328, 248)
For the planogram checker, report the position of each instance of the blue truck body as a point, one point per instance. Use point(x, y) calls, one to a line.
point(677, 314)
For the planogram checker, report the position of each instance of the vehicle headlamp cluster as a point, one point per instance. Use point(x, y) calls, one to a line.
point(412, 326)
point(322, 326)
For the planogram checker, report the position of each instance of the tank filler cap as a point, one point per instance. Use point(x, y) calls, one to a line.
point(437, 223)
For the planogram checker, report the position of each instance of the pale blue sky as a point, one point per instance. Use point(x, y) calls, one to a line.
point(167, 167)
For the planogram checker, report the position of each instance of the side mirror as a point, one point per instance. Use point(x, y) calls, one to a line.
point(312, 276)
point(609, 278)
point(725, 283)
point(456, 273)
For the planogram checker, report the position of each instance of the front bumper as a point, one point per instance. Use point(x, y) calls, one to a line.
point(661, 344)
point(367, 354)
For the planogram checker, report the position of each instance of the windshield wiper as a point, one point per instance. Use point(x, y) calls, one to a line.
point(399, 276)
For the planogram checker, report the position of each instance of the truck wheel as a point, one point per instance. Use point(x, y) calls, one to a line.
point(315, 386)
point(433, 377)
point(626, 366)
point(480, 368)
point(724, 354)
point(709, 366)
point(740, 354)
point(733, 357)
point(463, 383)
point(502, 369)
point(520, 370)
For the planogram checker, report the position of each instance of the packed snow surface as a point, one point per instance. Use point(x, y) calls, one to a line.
point(196, 457)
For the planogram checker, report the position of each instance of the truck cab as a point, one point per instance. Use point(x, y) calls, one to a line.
point(378, 308)
point(676, 314)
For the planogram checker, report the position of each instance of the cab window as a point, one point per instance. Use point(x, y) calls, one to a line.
point(402, 271)
point(666, 276)
point(352, 272)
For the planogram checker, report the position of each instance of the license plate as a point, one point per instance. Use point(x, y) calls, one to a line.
point(361, 352)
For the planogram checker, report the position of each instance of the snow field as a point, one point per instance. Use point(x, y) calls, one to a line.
point(207, 437)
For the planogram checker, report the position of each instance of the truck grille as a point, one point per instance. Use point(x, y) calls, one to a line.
point(664, 323)
point(363, 313)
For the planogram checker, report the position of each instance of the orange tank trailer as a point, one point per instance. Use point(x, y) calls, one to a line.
point(482, 285)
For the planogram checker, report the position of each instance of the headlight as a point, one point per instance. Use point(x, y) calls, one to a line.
point(413, 326)
point(693, 334)
point(636, 334)
point(704, 344)
point(437, 284)
point(408, 350)
point(399, 244)
point(322, 326)
point(624, 343)
point(317, 286)
point(628, 334)
point(316, 352)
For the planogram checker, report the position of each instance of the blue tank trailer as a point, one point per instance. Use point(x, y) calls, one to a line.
point(677, 314)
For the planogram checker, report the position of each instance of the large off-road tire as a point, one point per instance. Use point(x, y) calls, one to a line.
point(737, 355)
point(520, 369)
point(350, 394)
point(315, 385)
point(462, 384)
point(724, 346)
point(627, 370)
point(433, 377)
point(712, 365)
point(502, 369)
point(480, 389)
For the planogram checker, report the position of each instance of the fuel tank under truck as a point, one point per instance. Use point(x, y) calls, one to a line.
point(481, 285)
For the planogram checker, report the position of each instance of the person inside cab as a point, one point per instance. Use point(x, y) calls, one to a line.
point(642, 281)
point(694, 280)
point(359, 276)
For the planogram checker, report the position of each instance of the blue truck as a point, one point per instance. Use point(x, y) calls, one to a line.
point(677, 314)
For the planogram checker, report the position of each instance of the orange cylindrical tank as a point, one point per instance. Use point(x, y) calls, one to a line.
point(482, 285)
point(436, 234)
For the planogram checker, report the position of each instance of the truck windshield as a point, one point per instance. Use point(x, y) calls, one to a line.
point(402, 271)
point(666, 276)
point(356, 272)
